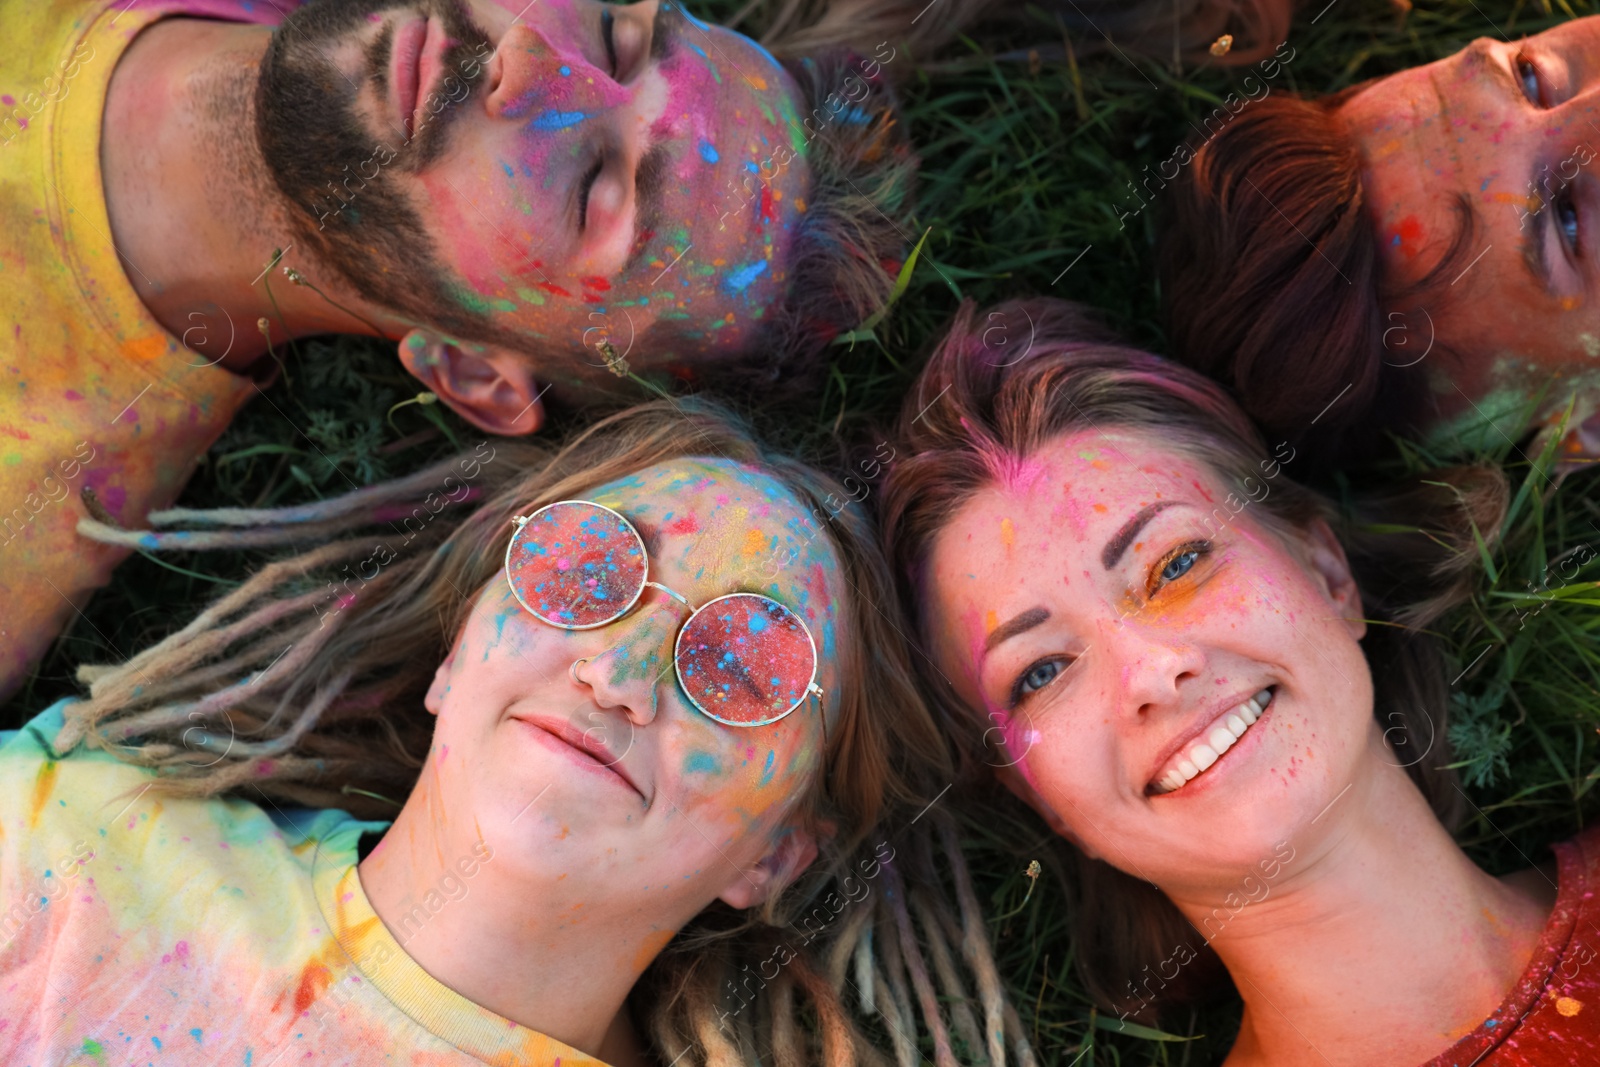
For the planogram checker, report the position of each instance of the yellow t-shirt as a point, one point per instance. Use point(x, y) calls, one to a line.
point(152, 930)
point(93, 391)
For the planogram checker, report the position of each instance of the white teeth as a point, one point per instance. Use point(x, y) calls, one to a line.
point(1208, 749)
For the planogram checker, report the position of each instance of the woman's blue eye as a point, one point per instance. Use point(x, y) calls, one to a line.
point(1179, 565)
point(1529, 75)
point(1039, 676)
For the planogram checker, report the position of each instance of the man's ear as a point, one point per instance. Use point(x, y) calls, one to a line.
point(791, 854)
point(1327, 560)
point(489, 386)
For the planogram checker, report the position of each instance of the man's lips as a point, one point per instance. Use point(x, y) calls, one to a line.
point(581, 747)
point(415, 67)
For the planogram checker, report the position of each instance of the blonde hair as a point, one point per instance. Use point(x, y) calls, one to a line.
point(321, 695)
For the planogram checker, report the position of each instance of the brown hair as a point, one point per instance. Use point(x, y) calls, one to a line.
point(1159, 28)
point(1273, 283)
point(972, 416)
point(320, 690)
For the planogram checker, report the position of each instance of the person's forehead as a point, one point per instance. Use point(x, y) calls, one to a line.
point(719, 520)
point(1067, 496)
point(1413, 163)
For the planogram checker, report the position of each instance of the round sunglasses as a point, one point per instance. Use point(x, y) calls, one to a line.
point(742, 659)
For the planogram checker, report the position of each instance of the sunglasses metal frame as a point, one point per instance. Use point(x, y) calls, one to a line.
point(812, 687)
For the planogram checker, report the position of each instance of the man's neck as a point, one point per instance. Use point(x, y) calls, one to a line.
point(193, 213)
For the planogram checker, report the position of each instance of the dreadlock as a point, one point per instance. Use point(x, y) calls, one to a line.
point(296, 687)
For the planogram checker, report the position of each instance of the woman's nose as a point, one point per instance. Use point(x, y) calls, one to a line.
point(630, 670)
point(1152, 662)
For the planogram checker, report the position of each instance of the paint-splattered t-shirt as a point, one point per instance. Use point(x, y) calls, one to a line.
point(137, 929)
point(93, 391)
point(1551, 1018)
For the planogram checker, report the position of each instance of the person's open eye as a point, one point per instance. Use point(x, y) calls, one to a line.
point(1176, 563)
point(1528, 77)
point(608, 35)
point(1037, 675)
point(1565, 214)
point(584, 190)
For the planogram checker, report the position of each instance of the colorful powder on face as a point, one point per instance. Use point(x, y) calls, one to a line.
point(1407, 236)
point(740, 279)
point(557, 120)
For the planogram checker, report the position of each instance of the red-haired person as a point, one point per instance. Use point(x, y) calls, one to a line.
point(1415, 253)
point(506, 191)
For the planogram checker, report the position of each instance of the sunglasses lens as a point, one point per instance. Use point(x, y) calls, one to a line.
point(745, 660)
point(576, 565)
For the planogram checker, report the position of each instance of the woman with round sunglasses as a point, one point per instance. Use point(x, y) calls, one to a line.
point(1229, 713)
point(616, 789)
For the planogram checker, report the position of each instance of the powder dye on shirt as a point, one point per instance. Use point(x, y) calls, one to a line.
point(145, 929)
point(1551, 1018)
point(94, 393)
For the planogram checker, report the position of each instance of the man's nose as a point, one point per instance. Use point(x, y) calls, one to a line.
point(532, 80)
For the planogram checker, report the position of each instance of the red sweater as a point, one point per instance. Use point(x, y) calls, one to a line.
point(1551, 1018)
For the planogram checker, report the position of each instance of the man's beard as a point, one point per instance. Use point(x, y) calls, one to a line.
point(337, 178)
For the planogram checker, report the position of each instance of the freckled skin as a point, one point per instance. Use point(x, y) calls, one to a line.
point(501, 202)
point(1463, 126)
point(1144, 668)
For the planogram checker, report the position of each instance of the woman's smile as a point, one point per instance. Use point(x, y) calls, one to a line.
point(583, 748)
point(1216, 734)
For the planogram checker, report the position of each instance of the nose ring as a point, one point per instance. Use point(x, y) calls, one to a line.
point(572, 671)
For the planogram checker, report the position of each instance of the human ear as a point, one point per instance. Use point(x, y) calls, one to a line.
point(791, 854)
point(489, 386)
point(1013, 779)
point(441, 682)
point(1325, 557)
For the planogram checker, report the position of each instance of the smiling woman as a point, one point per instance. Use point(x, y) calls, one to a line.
point(650, 761)
point(1240, 731)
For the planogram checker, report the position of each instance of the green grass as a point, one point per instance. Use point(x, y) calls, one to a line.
point(1018, 185)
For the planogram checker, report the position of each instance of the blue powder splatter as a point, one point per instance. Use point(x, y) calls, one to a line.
point(752, 168)
point(566, 72)
point(757, 624)
point(766, 770)
point(740, 279)
point(557, 120)
point(708, 153)
point(156, 1041)
point(507, 168)
point(196, 1033)
point(700, 763)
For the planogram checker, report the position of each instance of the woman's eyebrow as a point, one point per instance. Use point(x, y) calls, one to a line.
point(1013, 626)
point(1124, 537)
